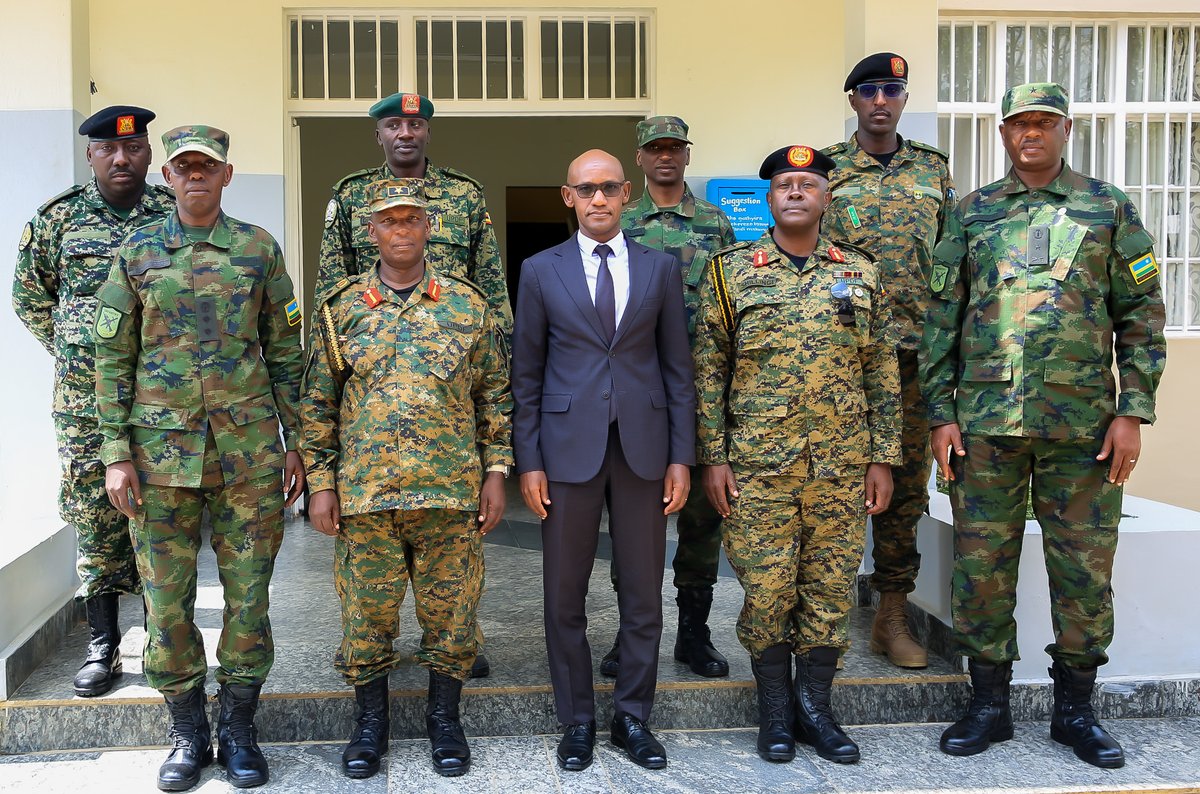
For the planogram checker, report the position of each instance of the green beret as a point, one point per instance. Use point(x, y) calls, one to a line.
point(197, 138)
point(402, 105)
point(1046, 97)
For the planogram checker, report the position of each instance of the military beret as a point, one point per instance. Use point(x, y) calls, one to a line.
point(116, 121)
point(880, 66)
point(401, 192)
point(197, 138)
point(657, 127)
point(402, 105)
point(1046, 97)
point(796, 158)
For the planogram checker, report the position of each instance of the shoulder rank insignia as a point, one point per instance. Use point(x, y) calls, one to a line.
point(372, 298)
point(435, 290)
point(293, 312)
point(836, 254)
point(1144, 268)
point(760, 257)
point(330, 212)
point(26, 236)
point(487, 218)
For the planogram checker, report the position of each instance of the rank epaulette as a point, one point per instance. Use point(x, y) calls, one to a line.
point(836, 148)
point(460, 175)
point(721, 290)
point(66, 194)
point(928, 147)
point(355, 175)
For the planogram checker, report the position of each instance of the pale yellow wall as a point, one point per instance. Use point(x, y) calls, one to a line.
point(1167, 469)
point(906, 28)
point(32, 34)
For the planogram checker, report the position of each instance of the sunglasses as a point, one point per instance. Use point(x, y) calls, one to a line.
point(587, 189)
point(869, 90)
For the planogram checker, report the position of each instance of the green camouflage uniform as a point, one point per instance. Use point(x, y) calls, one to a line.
point(797, 392)
point(65, 255)
point(898, 213)
point(1020, 356)
point(198, 362)
point(692, 231)
point(405, 404)
point(462, 242)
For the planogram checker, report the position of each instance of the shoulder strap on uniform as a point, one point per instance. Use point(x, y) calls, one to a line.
point(74, 190)
point(365, 172)
point(836, 148)
point(460, 175)
point(930, 148)
point(442, 275)
point(717, 275)
point(845, 246)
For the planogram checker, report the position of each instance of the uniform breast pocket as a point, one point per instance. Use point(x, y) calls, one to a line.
point(450, 243)
point(89, 258)
point(166, 302)
point(447, 359)
point(759, 313)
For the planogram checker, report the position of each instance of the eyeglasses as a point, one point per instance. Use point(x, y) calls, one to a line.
point(869, 90)
point(609, 189)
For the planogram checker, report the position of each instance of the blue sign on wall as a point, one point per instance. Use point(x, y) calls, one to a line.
point(744, 202)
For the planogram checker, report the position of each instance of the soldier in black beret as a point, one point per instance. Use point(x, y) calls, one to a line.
point(117, 122)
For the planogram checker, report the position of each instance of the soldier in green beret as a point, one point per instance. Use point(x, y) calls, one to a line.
point(198, 363)
point(462, 242)
point(65, 254)
point(407, 442)
point(1047, 279)
point(892, 196)
point(669, 218)
point(798, 428)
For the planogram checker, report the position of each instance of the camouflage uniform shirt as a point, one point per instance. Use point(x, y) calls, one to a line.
point(898, 213)
point(790, 380)
point(462, 242)
point(691, 231)
point(405, 403)
point(66, 252)
point(193, 336)
point(1018, 349)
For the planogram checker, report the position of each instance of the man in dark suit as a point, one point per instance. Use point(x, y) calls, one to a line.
point(605, 413)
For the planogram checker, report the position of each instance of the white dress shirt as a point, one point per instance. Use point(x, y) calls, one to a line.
point(618, 266)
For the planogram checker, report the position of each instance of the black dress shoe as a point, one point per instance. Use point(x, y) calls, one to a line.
point(631, 735)
point(610, 665)
point(575, 747)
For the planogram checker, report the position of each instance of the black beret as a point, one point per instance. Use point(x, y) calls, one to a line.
point(117, 121)
point(796, 158)
point(880, 66)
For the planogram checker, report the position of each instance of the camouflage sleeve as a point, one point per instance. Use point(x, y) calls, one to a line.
point(118, 342)
point(712, 352)
point(948, 205)
point(279, 334)
point(881, 385)
point(35, 283)
point(320, 409)
point(1136, 306)
point(493, 397)
point(337, 250)
point(728, 238)
point(943, 323)
point(487, 270)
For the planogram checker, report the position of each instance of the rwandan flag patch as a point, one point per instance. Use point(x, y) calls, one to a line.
point(1144, 269)
point(293, 312)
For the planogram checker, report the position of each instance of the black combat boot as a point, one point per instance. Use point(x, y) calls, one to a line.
point(776, 712)
point(237, 738)
point(191, 741)
point(103, 662)
point(988, 718)
point(451, 756)
point(815, 723)
point(369, 742)
point(693, 643)
point(1074, 723)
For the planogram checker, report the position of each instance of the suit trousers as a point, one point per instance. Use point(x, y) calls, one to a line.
point(570, 533)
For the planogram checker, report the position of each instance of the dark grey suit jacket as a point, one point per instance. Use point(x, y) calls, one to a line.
point(564, 374)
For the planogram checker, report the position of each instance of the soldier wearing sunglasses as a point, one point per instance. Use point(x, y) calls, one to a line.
point(891, 196)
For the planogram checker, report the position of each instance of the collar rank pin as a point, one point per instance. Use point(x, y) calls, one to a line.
point(435, 290)
point(372, 298)
point(760, 257)
point(836, 254)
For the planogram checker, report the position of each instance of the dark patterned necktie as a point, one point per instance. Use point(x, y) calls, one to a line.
point(606, 298)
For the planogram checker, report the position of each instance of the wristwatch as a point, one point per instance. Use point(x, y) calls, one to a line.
point(503, 468)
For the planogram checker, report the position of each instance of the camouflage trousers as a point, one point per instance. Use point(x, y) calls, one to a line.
point(247, 530)
point(697, 555)
point(894, 533)
point(375, 556)
point(1078, 510)
point(795, 545)
point(105, 563)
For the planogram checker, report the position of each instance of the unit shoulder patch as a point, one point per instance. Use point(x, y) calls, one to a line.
point(108, 322)
point(330, 212)
point(293, 312)
point(26, 236)
point(1144, 268)
point(937, 279)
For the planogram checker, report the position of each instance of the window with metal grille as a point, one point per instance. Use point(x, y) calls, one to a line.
point(464, 58)
point(593, 57)
point(1135, 105)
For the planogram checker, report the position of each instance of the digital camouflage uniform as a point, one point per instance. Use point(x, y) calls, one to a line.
point(462, 242)
point(1020, 356)
point(405, 404)
point(692, 231)
point(198, 362)
point(898, 213)
point(65, 254)
point(798, 391)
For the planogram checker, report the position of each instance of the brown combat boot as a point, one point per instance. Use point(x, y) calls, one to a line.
point(890, 633)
